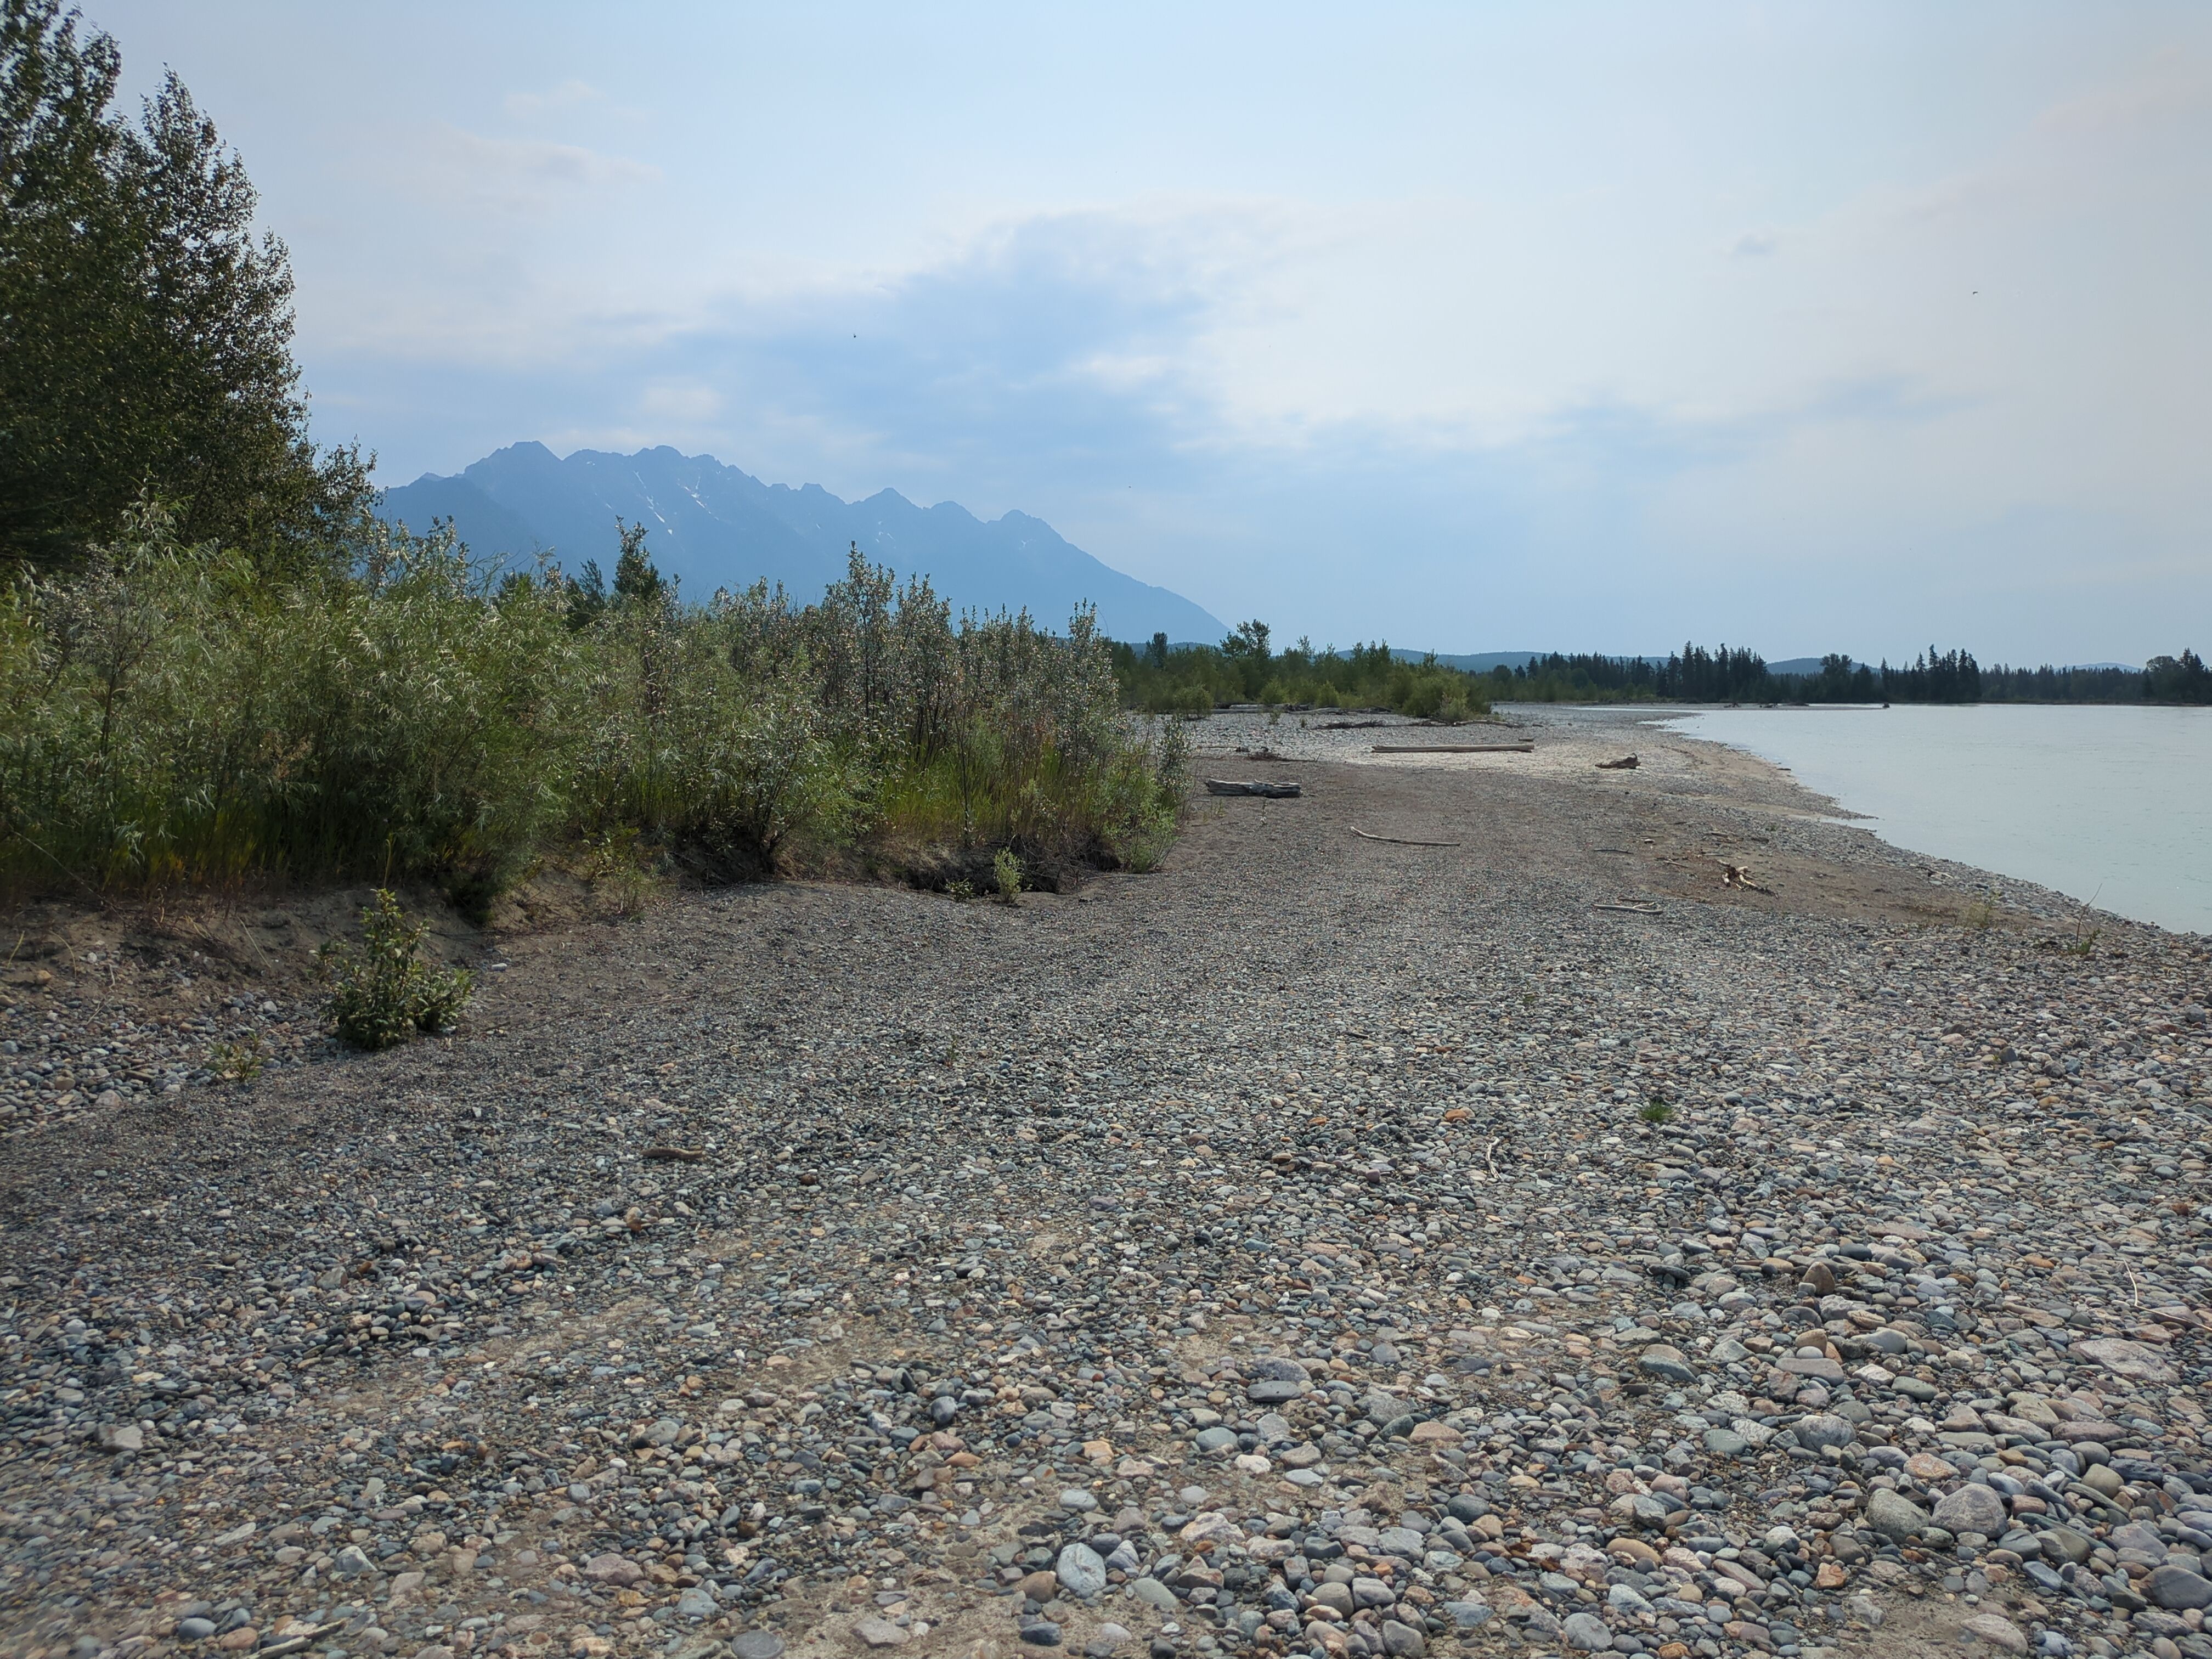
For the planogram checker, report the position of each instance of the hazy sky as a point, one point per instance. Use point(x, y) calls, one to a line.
point(1807, 327)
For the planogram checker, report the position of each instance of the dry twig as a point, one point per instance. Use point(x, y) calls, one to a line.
point(1398, 840)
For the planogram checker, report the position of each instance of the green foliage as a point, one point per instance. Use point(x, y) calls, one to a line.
point(638, 580)
point(1193, 679)
point(587, 595)
point(2177, 679)
point(179, 714)
point(149, 331)
point(1006, 875)
point(622, 870)
point(382, 991)
point(239, 1060)
point(1656, 1111)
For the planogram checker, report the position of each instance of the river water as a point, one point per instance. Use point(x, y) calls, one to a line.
point(2110, 805)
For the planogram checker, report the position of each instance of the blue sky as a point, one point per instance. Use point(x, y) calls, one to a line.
point(1473, 327)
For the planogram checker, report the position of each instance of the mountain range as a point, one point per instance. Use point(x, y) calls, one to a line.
point(715, 527)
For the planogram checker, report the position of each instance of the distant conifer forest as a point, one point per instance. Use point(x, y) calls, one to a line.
point(1244, 668)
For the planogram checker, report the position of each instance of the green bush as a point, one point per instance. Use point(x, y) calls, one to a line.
point(382, 992)
point(1193, 702)
point(1325, 697)
point(175, 716)
point(1006, 875)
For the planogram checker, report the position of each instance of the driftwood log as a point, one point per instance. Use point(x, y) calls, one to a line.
point(1625, 763)
point(1272, 791)
point(1454, 747)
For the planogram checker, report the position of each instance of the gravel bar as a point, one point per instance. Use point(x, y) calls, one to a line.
point(1322, 1246)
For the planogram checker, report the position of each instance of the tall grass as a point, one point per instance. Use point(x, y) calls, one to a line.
point(174, 718)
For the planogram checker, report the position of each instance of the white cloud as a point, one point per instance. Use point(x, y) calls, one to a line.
point(553, 100)
point(454, 167)
point(2175, 87)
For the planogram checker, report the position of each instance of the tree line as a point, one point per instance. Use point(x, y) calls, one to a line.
point(1245, 667)
point(1694, 674)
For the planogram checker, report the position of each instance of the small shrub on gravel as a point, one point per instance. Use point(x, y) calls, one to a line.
point(382, 991)
point(1006, 872)
point(239, 1060)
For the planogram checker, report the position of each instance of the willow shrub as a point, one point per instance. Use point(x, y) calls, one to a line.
point(174, 717)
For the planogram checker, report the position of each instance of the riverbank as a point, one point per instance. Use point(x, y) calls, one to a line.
point(2112, 805)
point(1320, 1244)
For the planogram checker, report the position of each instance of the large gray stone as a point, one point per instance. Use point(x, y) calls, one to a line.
point(2063, 1543)
point(1081, 1571)
point(1972, 1508)
point(1894, 1518)
point(2175, 1588)
point(1665, 1363)
point(1822, 1430)
point(1152, 1593)
point(1402, 1641)
point(1586, 1632)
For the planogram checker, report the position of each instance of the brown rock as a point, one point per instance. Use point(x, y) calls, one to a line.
point(610, 1569)
point(1997, 1631)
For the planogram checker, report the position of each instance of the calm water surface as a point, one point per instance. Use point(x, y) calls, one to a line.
point(2110, 805)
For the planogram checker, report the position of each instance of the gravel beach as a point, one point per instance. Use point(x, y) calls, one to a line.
point(1540, 1244)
